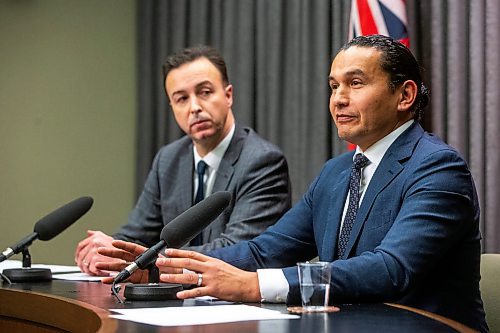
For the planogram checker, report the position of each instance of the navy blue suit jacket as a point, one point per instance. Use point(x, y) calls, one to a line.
point(415, 240)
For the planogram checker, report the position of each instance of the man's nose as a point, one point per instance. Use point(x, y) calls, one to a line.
point(340, 96)
point(194, 105)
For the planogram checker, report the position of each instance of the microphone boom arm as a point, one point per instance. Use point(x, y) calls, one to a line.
point(18, 247)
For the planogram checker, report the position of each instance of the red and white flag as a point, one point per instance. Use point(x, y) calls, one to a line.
point(381, 17)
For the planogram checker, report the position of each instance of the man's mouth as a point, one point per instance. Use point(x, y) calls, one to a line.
point(342, 118)
point(200, 124)
point(197, 122)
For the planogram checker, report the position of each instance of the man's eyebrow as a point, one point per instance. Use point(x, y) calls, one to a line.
point(356, 71)
point(203, 83)
point(349, 73)
point(198, 85)
point(177, 92)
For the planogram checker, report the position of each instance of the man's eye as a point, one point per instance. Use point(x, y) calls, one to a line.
point(181, 99)
point(355, 83)
point(334, 86)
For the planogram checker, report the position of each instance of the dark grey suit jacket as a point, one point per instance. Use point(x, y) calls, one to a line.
point(253, 170)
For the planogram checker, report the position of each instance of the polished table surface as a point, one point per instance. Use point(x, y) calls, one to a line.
point(350, 318)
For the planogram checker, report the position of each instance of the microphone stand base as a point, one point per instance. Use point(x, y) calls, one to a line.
point(152, 291)
point(28, 274)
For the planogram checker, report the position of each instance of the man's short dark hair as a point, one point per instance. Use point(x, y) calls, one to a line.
point(397, 61)
point(191, 54)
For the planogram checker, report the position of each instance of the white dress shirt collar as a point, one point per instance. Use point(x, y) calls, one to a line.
point(213, 160)
point(377, 151)
point(214, 157)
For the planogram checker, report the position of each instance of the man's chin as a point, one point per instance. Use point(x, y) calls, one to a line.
point(203, 136)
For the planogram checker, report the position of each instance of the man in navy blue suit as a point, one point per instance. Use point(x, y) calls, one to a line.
point(413, 238)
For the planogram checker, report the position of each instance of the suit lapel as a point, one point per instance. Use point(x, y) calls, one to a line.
point(186, 165)
point(390, 166)
point(335, 211)
point(226, 167)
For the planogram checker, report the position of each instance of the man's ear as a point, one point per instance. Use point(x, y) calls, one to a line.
point(228, 91)
point(408, 91)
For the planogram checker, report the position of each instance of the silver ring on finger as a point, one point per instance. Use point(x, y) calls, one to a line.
point(200, 280)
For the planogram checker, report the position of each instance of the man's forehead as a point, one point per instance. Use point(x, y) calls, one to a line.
point(191, 74)
point(356, 60)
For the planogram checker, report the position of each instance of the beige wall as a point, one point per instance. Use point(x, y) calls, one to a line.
point(67, 116)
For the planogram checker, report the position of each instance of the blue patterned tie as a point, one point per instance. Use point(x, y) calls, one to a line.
point(200, 195)
point(360, 161)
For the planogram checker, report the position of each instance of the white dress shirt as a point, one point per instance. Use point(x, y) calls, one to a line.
point(273, 283)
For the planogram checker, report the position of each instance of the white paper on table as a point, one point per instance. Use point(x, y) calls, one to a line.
point(198, 315)
point(54, 268)
point(76, 277)
point(60, 272)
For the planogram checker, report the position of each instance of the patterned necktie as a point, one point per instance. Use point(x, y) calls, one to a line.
point(360, 161)
point(200, 195)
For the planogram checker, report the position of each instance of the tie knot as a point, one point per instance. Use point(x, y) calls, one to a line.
point(201, 167)
point(360, 161)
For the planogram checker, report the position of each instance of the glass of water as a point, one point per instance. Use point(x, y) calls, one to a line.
point(314, 280)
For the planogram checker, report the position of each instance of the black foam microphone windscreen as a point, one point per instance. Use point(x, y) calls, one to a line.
point(56, 222)
point(186, 226)
point(180, 231)
point(51, 225)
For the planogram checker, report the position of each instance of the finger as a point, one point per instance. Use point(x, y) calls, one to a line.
point(107, 280)
point(84, 261)
point(97, 272)
point(94, 270)
point(176, 253)
point(114, 266)
point(133, 248)
point(84, 256)
point(80, 248)
point(187, 263)
point(89, 260)
point(180, 278)
point(192, 293)
point(170, 270)
point(191, 260)
point(84, 267)
point(91, 232)
point(116, 254)
point(164, 268)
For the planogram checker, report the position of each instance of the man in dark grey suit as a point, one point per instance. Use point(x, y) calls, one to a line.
point(234, 159)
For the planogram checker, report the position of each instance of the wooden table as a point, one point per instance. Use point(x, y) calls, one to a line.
point(58, 306)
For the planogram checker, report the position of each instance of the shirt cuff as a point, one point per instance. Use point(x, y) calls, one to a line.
point(273, 285)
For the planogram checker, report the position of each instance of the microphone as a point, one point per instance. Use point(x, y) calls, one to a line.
point(51, 225)
point(180, 231)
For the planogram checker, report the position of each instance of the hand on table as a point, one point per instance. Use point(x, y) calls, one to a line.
point(119, 256)
point(86, 255)
point(218, 279)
